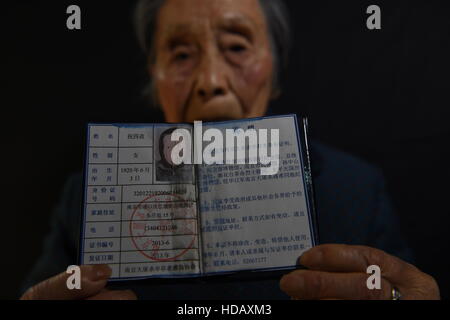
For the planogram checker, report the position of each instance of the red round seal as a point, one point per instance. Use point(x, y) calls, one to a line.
point(149, 234)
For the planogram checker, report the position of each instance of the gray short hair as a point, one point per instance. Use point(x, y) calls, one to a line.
point(145, 17)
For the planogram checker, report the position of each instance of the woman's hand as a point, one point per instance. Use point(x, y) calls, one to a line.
point(338, 271)
point(93, 282)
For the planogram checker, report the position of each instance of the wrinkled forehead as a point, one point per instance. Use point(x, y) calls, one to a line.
point(178, 18)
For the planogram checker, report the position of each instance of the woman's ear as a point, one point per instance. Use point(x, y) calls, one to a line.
point(151, 69)
point(150, 91)
point(276, 92)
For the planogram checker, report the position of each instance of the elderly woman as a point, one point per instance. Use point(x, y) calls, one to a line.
point(222, 59)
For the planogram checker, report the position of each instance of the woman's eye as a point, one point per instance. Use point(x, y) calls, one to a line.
point(181, 56)
point(237, 48)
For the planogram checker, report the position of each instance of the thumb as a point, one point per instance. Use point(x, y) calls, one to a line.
point(93, 280)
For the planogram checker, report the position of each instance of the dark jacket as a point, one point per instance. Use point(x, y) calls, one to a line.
point(352, 207)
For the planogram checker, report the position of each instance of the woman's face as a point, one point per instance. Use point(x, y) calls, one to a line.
point(213, 60)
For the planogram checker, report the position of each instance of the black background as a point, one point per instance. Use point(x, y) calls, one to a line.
point(381, 95)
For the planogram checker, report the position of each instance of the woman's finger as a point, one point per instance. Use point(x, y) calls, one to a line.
point(312, 285)
point(114, 295)
point(93, 280)
point(347, 258)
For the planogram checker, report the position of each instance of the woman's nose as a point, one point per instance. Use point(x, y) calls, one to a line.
point(208, 93)
point(212, 81)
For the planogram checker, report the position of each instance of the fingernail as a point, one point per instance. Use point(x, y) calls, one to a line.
point(298, 265)
point(102, 272)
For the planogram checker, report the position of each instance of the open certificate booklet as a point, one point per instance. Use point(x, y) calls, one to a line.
point(145, 216)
